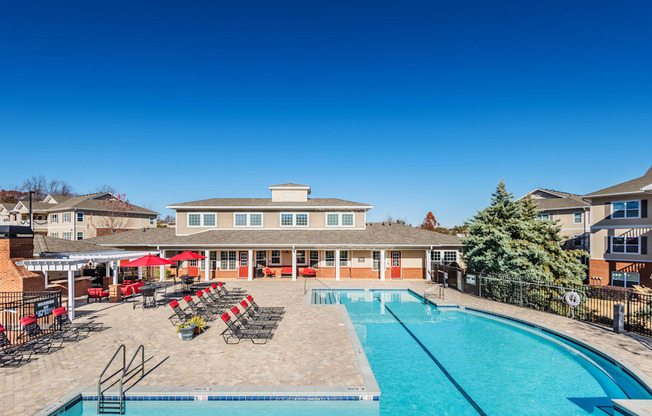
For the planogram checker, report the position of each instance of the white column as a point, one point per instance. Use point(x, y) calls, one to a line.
point(250, 269)
point(337, 264)
point(115, 272)
point(207, 265)
point(71, 294)
point(382, 264)
point(45, 273)
point(107, 271)
point(294, 264)
point(428, 266)
point(161, 269)
point(140, 273)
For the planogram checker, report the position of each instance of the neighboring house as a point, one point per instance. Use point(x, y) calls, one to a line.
point(620, 231)
point(242, 236)
point(572, 212)
point(77, 217)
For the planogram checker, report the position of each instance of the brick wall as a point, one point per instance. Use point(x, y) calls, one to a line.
point(603, 269)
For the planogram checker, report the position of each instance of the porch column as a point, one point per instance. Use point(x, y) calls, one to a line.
point(250, 268)
point(337, 264)
point(382, 264)
point(45, 273)
point(71, 294)
point(207, 265)
point(107, 270)
point(140, 273)
point(294, 264)
point(115, 272)
point(428, 266)
point(161, 269)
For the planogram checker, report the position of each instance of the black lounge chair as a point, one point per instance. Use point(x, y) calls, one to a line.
point(11, 355)
point(248, 322)
point(267, 309)
point(235, 292)
point(32, 331)
point(65, 324)
point(199, 310)
point(37, 344)
point(180, 316)
point(235, 331)
point(215, 298)
point(212, 307)
point(262, 316)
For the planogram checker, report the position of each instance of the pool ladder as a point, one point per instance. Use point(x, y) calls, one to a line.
point(429, 291)
point(117, 407)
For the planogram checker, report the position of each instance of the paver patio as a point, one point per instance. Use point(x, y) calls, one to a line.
point(311, 346)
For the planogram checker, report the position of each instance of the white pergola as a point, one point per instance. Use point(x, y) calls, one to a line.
point(75, 261)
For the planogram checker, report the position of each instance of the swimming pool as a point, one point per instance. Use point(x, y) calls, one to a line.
point(440, 360)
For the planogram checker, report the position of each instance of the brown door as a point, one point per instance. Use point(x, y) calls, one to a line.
point(243, 270)
point(396, 265)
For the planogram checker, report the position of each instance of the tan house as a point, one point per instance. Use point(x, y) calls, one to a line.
point(620, 230)
point(290, 231)
point(77, 217)
point(570, 210)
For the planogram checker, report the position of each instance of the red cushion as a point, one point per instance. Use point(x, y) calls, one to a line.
point(220, 283)
point(207, 290)
point(214, 286)
point(187, 298)
point(286, 270)
point(2, 328)
point(199, 293)
point(235, 310)
point(59, 311)
point(243, 303)
point(250, 298)
point(104, 293)
point(28, 320)
point(225, 317)
point(174, 304)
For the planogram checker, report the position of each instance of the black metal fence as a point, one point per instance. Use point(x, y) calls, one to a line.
point(17, 305)
point(594, 303)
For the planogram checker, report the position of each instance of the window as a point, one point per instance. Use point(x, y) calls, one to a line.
point(301, 257)
point(80, 217)
point(66, 217)
point(450, 257)
point(192, 263)
point(194, 220)
point(228, 260)
point(213, 258)
point(375, 261)
point(577, 217)
point(80, 235)
point(276, 257)
point(435, 257)
point(152, 220)
point(344, 220)
point(577, 240)
point(625, 209)
point(55, 235)
point(294, 220)
point(54, 218)
point(330, 258)
point(209, 220)
point(261, 258)
point(248, 220)
point(314, 259)
point(624, 279)
point(543, 217)
point(344, 258)
point(67, 235)
point(622, 244)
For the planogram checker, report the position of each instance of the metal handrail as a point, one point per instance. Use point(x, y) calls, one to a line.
point(430, 289)
point(141, 348)
point(99, 381)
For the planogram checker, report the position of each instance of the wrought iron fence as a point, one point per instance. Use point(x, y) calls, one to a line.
point(17, 305)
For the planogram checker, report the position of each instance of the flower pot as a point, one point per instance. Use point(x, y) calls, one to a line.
point(187, 333)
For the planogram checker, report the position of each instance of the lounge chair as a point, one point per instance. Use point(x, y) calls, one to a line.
point(249, 310)
point(42, 342)
point(180, 316)
point(12, 355)
point(235, 331)
point(97, 293)
point(268, 309)
point(252, 323)
point(210, 305)
point(199, 310)
point(214, 296)
point(64, 322)
point(235, 292)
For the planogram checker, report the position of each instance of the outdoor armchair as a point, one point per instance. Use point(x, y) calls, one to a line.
point(97, 293)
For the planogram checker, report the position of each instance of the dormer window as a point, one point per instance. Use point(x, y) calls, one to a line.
point(626, 209)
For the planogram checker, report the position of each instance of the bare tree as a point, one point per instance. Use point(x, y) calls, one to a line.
point(41, 187)
point(114, 216)
point(106, 188)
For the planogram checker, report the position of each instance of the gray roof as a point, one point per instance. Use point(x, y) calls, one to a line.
point(267, 202)
point(46, 244)
point(91, 203)
point(376, 234)
point(8, 205)
point(566, 200)
point(633, 186)
point(290, 185)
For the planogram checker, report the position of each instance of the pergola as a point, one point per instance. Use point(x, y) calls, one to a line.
point(75, 261)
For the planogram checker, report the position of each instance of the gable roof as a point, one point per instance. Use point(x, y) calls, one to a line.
point(559, 200)
point(632, 186)
point(44, 244)
point(91, 202)
point(289, 185)
point(375, 234)
point(267, 202)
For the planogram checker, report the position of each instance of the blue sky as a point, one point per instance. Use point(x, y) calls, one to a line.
point(410, 106)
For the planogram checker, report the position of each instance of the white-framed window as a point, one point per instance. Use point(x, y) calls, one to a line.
point(344, 258)
point(67, 235)
point(450, 257)
point(290, 219)
point(275, 257)
point(152, 220)
point(577, 217)
point(625, 279)
point(346, 219)
point(543, 217)
point(228, 260)
point(435, 257)
point(54, 218)
point(80, 217)
point(314, 259)
point(5, 219)
point(626, 209)
point(375, 261)
point(194, 220)
point(301, 257)
point(192, 263)
point(202, 219)
point(329, 258)
point(54, 234)
point(80, 235)
point(628, 245)
point(66, 217)
point(248, 220)
point(261, 258)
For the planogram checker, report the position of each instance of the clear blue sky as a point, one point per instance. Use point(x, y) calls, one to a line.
point(409, 106)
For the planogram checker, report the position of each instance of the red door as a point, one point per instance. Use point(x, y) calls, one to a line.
point(396, 265)
point(243, 271)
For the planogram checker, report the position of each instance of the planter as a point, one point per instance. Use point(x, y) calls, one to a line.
point(187, 333)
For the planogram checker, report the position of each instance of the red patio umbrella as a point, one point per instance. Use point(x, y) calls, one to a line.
point(148, 260)
point(186, 255)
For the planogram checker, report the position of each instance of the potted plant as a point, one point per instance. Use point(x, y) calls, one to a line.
point(186, 331)
point(199, 323)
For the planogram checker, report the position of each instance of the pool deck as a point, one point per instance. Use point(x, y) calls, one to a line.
point(311, 349)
